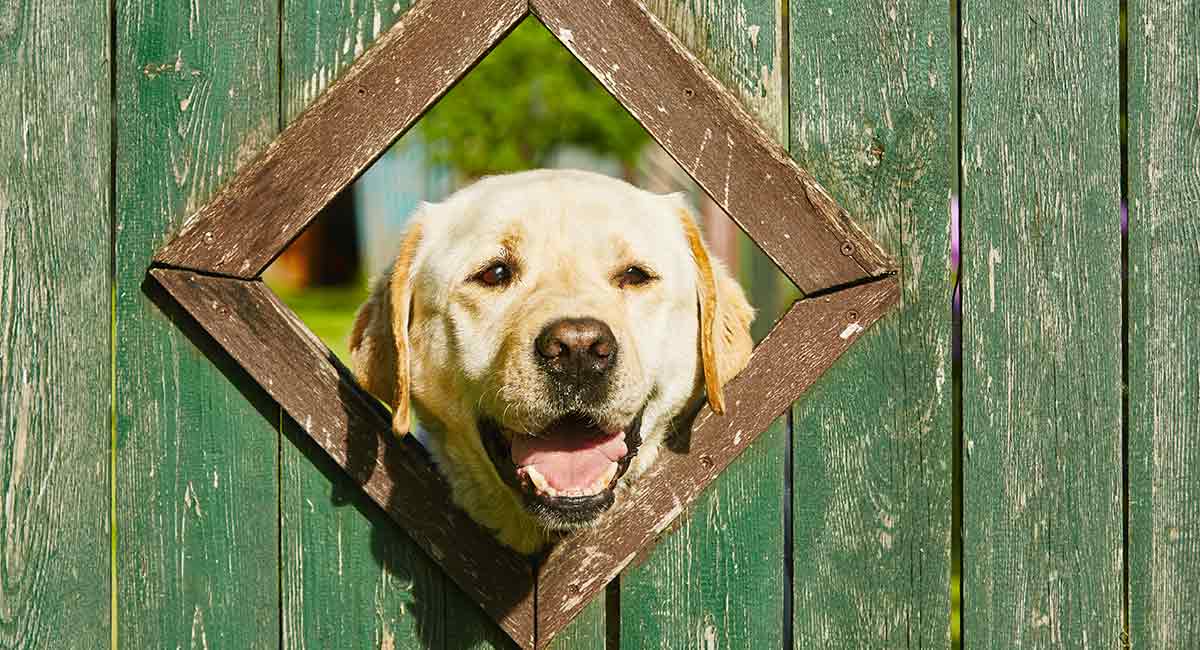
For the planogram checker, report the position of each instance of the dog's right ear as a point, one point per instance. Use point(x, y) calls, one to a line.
point(379, 343)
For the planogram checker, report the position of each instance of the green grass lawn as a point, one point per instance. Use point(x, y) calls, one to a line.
point(328, 312)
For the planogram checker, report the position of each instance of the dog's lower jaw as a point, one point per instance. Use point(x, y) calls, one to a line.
point(478, 490)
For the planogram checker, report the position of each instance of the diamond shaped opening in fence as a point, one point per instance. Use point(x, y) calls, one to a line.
point(214, 267)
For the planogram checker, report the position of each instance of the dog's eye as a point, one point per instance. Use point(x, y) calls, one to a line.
point(496, 275)
point(633, 276)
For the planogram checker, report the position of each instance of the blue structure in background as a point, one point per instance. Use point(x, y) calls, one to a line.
point(388, 193)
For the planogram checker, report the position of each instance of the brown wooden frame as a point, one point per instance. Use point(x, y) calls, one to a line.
point(212, 269)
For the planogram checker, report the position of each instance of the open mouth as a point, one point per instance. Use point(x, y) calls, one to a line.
point(567, 471)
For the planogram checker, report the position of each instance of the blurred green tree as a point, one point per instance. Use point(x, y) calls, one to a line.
point(527, 98)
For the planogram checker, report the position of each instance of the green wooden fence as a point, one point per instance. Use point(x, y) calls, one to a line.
point(154, 497)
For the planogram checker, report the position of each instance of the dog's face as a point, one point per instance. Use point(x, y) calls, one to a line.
point(549, 327)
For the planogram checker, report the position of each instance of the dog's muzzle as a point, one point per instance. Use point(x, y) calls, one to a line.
point(567, 472)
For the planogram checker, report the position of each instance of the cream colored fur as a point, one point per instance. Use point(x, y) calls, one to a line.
point(469, 347)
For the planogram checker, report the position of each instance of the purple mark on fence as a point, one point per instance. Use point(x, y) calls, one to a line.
point(956, 295)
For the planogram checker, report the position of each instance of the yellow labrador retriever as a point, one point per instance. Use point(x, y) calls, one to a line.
point(548, 327)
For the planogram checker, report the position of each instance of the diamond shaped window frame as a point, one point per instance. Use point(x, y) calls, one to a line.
point(213, 268)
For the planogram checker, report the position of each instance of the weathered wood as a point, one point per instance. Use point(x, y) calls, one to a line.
point(55, 370)
point(691, 590)
point(707, 131)
point(1164, 324)
point(321, 39)
point(372, 104)
point(218, 239)
point(350, 577)
point(666, 88)
point(587, 630)
point(802, 346)
point(718, 580)
point(246, 319)
point(320, 394)
point(1042, 511)
point(870, 117)
point(738, 42)
point(196, 470)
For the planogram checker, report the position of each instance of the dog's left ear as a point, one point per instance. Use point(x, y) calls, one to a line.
point(379, 344)
point(725, 317)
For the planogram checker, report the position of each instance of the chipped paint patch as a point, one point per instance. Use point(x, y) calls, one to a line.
point(851, 330)
point(739, 45)
point(993, 260)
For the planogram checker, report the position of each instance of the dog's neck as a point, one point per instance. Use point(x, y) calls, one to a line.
point(491, 505)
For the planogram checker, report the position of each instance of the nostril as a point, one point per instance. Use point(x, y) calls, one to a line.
point(602, 349)
point(549, 347)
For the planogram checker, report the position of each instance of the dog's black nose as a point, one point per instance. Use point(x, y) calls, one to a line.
point(583, 348)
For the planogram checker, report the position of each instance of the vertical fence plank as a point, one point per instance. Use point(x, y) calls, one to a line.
point(197, 444)
point(870, 117)
point(1164, 323)
point(351, 577)
point(347, 578)
point(1042, 520)
point(718, 581)
point(55, 369)
point(586, 631)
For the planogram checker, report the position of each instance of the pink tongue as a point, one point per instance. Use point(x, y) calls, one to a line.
point(569, 454)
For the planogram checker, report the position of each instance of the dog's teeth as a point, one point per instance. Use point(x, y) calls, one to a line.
point(537, 479)
point(539, 482)
point(543, 486)
point(602, 483)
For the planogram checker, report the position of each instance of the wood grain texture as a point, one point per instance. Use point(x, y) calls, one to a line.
point(707, 131)
point(1042, 512)
point(588, 630)
point(197, 442)
point(258, 331)
point(55, 369)
point(812, 335)
point(739, 42)
point(350, 577)
point(354, 429)
point(322, 38)
point(870, 117)
point(373, 103)
point(718, 580)
point(691, 589)
point(1164, 323)
point(228, 247)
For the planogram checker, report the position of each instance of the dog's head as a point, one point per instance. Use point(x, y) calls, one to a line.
point(548, 327)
